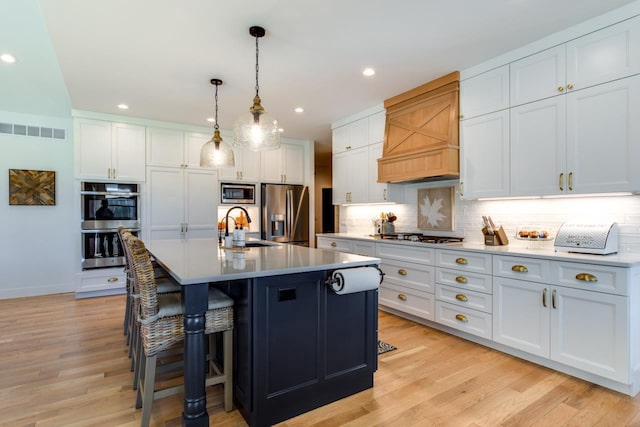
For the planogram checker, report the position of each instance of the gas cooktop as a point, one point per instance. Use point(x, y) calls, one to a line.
point(419, 237)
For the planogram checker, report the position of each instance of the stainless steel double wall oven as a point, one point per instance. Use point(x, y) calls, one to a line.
point(105, 207)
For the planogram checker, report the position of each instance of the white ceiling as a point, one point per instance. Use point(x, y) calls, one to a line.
point(158, 56)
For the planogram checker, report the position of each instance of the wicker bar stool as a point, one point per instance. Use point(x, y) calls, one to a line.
point(164, 285)
point(162, 327)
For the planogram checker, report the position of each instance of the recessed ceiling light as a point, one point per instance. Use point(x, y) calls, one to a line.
point(299, 110)
point(8, 58)
point(368, 72)
point(123, 106)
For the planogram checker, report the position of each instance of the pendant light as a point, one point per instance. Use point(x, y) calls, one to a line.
point(256, 130)
point(215, 153)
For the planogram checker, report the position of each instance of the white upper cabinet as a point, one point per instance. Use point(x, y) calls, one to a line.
point(376, 128)
point(605, 55)
point(484, 93)
point(106, 150)
point(247, 166)
point(484, 156)
point(174, 148)
point(351, 136)
point(538, 76)
point(285, 165)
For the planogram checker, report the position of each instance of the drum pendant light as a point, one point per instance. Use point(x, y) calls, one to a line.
point(215, 153)
point(256, 130)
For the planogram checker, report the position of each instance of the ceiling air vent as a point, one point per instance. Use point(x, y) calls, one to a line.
point(33, 131)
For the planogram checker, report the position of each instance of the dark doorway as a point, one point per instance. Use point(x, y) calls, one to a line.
point(328, 211)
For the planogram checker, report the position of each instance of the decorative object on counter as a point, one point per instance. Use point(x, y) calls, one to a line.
point(215, 153)
point(436, 208)
point(526, 232)
point(226, 227)
point(493, 236)
point(32, 188)
point(387, 220)
point(594, 238)
point(383, 347)
point(257, 130)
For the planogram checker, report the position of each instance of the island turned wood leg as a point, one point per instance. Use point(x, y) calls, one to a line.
point(194, 304)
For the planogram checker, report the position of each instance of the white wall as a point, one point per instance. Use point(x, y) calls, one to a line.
point(40, 245)
point(549, 213)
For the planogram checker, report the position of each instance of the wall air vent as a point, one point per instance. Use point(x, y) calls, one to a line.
point(33, 131)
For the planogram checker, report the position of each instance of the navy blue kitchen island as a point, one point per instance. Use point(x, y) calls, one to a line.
point(297, 344)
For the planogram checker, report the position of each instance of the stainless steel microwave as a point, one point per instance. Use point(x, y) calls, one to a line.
point(232, 194)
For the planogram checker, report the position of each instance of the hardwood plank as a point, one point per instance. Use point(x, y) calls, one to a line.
point(63, 362)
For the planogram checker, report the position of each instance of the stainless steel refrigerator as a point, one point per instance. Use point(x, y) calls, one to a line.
point(285, 213)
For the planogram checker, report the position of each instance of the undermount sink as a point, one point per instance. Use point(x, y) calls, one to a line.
point(257, 244)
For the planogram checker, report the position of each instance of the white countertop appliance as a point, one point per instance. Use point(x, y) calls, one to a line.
point(585, 238)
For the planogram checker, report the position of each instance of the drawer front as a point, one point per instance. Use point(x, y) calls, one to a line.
point(465, 280)
point(407, 300)
point(612, 280)
point(521, 268)
point(464, 261)
point(462, 298)
point(98, 283)
point(464, 319)
point(340, 245)
point(364, 248)
point(406, 253)
point(415, 276)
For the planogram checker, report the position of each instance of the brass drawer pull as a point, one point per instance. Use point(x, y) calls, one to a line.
point(544, 297)
point(462, 297)
point(569, 86)
point(334, 244)
point(462, 318)
point(561, 182)
point(553, 298)
point(402, 297)
point(461, 279)
point(402, 272)
point(586, 277)
point(519, 269)
point(462, 261)
point(112, 279)
point(560, 88)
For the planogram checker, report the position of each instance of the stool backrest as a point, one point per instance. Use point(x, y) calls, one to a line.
point(143, 277)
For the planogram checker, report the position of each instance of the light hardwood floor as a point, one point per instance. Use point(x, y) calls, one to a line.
point(63, 362)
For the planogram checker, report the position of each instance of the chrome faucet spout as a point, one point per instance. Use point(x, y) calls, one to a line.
point(226, 218)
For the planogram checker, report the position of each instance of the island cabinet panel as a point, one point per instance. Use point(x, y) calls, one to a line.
point(298, 345)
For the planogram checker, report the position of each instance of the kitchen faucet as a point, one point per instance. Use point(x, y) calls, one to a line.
point(226, 218)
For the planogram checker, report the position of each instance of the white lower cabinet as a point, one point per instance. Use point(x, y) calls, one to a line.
point(339, 245)
point(101, 281)
point(583, 329)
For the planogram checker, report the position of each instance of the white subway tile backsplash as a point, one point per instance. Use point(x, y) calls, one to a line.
point(549, 213)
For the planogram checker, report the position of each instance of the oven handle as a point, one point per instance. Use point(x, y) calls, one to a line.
point(106, 230)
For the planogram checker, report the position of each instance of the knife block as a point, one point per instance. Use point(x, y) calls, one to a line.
point(498, 239)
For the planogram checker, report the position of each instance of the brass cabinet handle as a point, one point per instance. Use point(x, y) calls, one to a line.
point(570, 184)
point(402, 272)
point(462, 261)
point(462, 318)
point(586, 277)
point(461, 279)
point(560, 88)
point(334, 244)
point(519, 268)
point(553, 298)
point(462, 297)
point(460, 189)
point(112, 279)
point(569, 86)
point(402, 297)
point(544, 297)
point(561, 182)
point(384, 194)
point(348, 147)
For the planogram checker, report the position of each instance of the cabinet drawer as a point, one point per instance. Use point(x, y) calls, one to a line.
point(340, 245)
point(464, 261)
point(87, 282)
point(465, 280)
point(612, 280)
point(462, 298)
point(464, 319)
point(406, 253)
point(531, 269)
point(407, 300)
point(364, 248)
point(415, 276)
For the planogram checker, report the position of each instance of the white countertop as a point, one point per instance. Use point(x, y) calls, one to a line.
point(202, 260)
point(615, 260)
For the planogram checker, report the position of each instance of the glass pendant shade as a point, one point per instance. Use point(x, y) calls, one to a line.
point(256, 130)
point(216, 154)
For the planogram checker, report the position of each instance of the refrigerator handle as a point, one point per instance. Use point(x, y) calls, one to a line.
point(295, 221)
point(288, 214)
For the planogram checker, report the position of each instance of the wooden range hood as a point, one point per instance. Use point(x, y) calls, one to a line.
point(421, 133)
